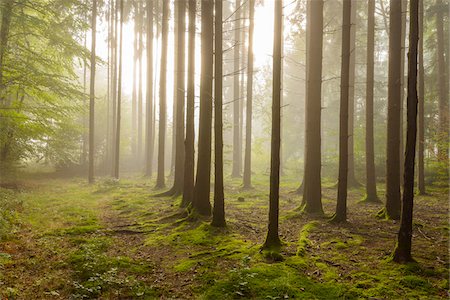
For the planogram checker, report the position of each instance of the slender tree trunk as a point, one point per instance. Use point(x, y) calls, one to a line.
point(341, 207)
point(149, 103)
point(175, 93)
point(160, 179)
point(202, 185)
point(114, 87)
point(443, 139)
point(4, 37)
point(352, 182)
point(236, 168)
point(108, 91)
point(421, 162)
point(242, 85)
point(119, 97)
point(188, 189)
point(140, 108)
point(313, 157)
point(219, 205)
point(134, 90)
point(392, 207)
point(247, 183)
point(272, 239)
point(84, 150)
point(402, 83)
point(371, 186)
point(402, 252)
point(92, 94)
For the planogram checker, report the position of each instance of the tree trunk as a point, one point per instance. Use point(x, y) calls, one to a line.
point(134, 90)
point(160, 179)
point(237, 161)
point(219, 206)
point(202, 185)
point(421, 162)
point(188, 184)
point(402, 84)
point(273, 239)
point(92, 94)
point(4, 37)
point(392, 207)
point(175, 93)
point(140, 108)
point(247, 182)
point(119, 96)
point(149, 103)
point(313, 157)
point(352, 182)
point(402, 252)
point(341, 207)
point(443, 140)
point(114, 87)
point(371, 185)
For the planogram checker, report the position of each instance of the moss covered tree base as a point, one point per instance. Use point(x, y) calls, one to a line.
point(384, 214)
point(402, 256)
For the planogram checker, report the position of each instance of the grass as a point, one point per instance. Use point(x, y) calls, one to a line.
point(114, 239)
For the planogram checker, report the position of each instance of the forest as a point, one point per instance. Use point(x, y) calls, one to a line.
point(224, 149)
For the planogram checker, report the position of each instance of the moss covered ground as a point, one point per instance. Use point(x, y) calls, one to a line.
point(65, 239)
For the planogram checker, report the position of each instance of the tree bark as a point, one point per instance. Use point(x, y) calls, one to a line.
point(188, 189)
point(421, 120)
point(149, 103)
point(92, 94)
point(160, 179)
point(4, 37)
point(247, 180)
point(313, 157)
point(371, 186)
point(273, 239)
point(119, 97)
point(218, 219)
point(237, 156)
point(341, 207)
point(402, 252)
point(134, 89)
point(140, 105)
point(402, 84)
point(114, 88)
point(201, 201)
point(392, 207)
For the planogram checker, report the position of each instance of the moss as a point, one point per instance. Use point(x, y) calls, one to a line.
point(303, 241)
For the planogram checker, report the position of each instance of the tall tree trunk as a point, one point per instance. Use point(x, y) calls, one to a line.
point(402, 252)
point(108, 93)
point(313, 157)
point(175, 92)
point(402, 84)
point(219, 205)
point(202, 185)
point(114, 87)
point(188, 184)
point(392, 207)
point(134, 90)
point(351, 180)
point(160, 179)
point(242, 84)
point(4, 37)
point(272, 239)
point(371, 185)
point(84, 150)
point(443, 140)
point(140, 108)
point(92, 94)
point(149, 98)
point(179, 99)
point(247, 182)
point(341, 207)
point(119, 97)
point(421, 162)
point(237, 161)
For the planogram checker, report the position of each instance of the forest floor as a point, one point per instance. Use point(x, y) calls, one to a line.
point(116, 240)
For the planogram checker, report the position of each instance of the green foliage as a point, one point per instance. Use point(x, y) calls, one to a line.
point(303, 241)
point(9, 206)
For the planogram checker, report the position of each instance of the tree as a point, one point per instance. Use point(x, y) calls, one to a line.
point(188, 182)
point(247, 181)
point(149, 102)
point(134, 89)
point(421, 119)
point(371, 185)
point(201, 201)
point(160, 179)
point(402, 251)
point(219, 206)
point(443, 140)
point(402, 86)
point(341, 207)
point(272, 239)
point(313, 158)
point(237, 150)
point(140, 95)
point(114, 87)
point(92, 94)
point(177, 188)
point(119, 97)
point(392, 206)
point(4, 37)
